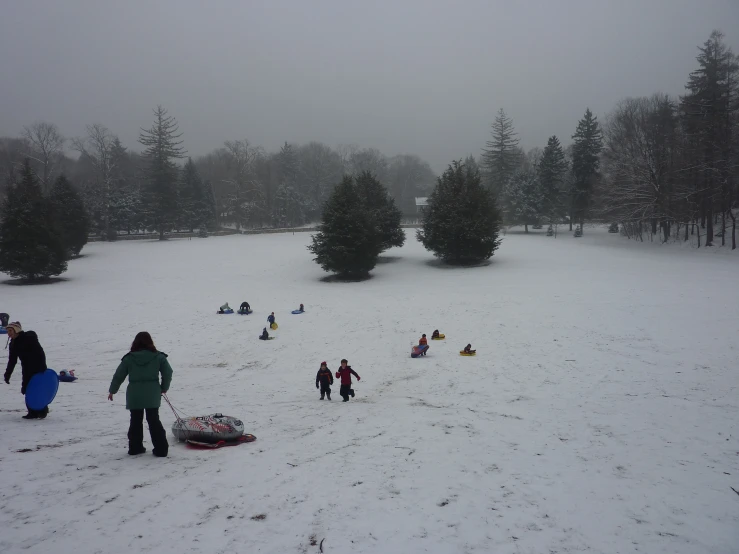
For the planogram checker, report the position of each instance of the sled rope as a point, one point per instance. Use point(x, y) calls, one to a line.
point(177, 415)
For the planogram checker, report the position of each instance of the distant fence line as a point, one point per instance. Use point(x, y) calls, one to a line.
point(222, 233)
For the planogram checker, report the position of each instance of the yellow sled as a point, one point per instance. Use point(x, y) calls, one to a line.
point(440, 337)
point(273, 326)
point(463, 353)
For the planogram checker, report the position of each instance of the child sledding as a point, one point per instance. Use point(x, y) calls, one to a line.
point(265, 335)
point(300, 310)
point(244, 309)
point(225, 309)
point(467, 351)
point(437, 336)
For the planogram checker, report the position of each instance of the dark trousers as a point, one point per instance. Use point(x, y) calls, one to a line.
point(325, 389)
point(156, 430)
point(346, 391)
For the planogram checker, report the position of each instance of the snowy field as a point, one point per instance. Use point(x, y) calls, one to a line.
point(599, 416)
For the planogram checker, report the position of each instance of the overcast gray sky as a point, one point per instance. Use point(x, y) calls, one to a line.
point(404, 76)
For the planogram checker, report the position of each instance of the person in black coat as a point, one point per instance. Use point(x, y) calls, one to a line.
point(244, 308)
point(24, 346)
point(325, 379)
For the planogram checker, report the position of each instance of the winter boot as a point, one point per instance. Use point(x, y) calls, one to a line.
point(31, 415)
point(328, 395)
point(351, 391)
point(136, 451)
point(43, 413)
point(321, 396)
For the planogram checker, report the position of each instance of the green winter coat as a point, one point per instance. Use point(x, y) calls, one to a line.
point(143, 369)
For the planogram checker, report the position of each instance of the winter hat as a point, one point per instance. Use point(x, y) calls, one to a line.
point(324, 363)
point(15, 326)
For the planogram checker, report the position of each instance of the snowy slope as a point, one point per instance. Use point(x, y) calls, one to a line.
point(599, 416)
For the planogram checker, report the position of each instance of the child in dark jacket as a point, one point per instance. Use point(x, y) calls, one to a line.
point(325, 379)
point(345, 373)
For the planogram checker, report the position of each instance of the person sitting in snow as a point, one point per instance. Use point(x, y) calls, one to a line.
point(468, 349)
point(325, 379)
point(4, 318)
point(244, 308)
point(271, 318)
point(264, 335)
point(345, 373)
point(225, 308)
point(435, 334)
point(301, 309)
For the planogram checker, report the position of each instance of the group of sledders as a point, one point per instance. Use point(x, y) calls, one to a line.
point(423, 345)
point(324, 380)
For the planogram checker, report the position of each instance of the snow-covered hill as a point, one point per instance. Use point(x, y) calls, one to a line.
point(599, 416)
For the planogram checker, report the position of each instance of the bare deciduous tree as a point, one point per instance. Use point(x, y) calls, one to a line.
point(46, 146)
point(97, 147)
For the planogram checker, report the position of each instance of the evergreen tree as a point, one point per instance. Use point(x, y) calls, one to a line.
point(523, 199)
point(125, 196)
point(461, 222)
point(192, 197)
point(30, 246)
point(71, 221)
point(586, 148)
point(207, 208)
point(162, 148)
point(382, 210)
point(290, 205)
point(501, 157)
point(347, 242)
point(552, 171)
point(710, 111)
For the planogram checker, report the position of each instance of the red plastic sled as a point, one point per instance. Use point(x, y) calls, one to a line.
point(211, 445)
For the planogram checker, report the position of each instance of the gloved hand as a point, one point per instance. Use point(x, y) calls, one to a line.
point(7, 378)
point(23, 390)
point(316, 385)
point(359, 378)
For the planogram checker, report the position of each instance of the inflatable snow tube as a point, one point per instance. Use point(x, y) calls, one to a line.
point(273, 326)
point(225, 312)
point(209, 429)
point(42, 389)
point(419, 350)
point(298, 312)
point(463, 353)
point(440, 337)
point(245, 313)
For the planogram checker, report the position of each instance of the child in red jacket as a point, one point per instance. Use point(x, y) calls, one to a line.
point(345, 373)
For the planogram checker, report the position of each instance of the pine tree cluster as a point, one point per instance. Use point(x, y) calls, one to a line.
point(461, 222)
point(40, 233)
point(359, 222)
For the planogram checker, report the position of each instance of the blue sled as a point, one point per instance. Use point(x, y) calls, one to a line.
point(225, 312)
point(298, 312)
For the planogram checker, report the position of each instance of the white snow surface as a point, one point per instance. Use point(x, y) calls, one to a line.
point(600, 414)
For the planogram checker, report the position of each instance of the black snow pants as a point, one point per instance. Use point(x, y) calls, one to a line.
point(156, 430)
point(325, 389)
point(346, 391)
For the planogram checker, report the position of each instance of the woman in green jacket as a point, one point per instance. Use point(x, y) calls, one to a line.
point(142, 365)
